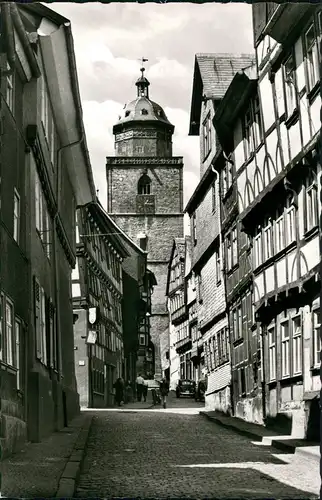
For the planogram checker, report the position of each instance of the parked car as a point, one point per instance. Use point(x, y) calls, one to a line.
point(201, 390)
point(186, 388)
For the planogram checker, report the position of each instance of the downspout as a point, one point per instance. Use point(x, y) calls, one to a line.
point(56, 244)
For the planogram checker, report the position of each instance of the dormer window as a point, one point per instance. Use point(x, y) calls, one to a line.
point(144, 111)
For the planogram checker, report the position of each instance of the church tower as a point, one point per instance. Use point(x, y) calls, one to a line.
point(145, 193)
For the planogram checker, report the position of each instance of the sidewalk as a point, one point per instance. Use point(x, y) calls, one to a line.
point(265, 436)
point(37, 469)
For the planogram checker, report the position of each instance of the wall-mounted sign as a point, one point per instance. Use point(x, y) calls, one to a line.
point(81, 362)
point(92, 315)
point(92, 336)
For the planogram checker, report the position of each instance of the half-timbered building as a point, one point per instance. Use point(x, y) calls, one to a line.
point(281, 212)
point(180, 341)
point(277, 166)
point(212, 76)
point(97, 304)
point(240, 106)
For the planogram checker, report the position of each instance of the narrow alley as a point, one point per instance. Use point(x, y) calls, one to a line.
point(176, 453)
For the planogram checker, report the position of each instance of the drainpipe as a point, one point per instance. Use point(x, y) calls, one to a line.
point(56, 245)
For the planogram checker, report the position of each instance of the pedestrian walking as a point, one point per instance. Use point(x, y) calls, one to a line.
point(129, 392)
point(145, 390)
point(164, 391)
point(139, 386)
point(119, 391)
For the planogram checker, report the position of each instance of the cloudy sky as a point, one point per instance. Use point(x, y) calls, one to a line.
point(109, 41)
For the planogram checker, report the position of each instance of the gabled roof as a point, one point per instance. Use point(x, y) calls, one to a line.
point(234, 100)
point(106, 225)
point(120, 232)
point(212, 76)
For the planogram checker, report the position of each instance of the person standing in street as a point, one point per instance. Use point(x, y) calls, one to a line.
point(139, 386)
point(164, 391)
point(119, 391)
point(145, 390)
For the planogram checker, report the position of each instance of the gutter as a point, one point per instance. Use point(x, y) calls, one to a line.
point(75, 87)
point(8, 37)
point(24, 39)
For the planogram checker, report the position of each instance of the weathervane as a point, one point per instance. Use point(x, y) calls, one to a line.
point(143, 60)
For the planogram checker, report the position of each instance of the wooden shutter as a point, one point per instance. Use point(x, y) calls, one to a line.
point(43, 326)
point(37, 314)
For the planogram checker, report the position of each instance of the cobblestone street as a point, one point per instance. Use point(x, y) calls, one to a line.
point(176, 453)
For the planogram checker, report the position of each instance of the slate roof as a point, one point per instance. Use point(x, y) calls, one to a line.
point(212, 76)
point(218, 70)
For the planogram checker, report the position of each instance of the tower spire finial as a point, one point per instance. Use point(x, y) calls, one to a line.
point(142, 83)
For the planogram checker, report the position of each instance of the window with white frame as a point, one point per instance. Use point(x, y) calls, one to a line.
point(285, 339)
point(9, 329)
point(248, 133)
point(40, 321)
point(316, 338)
point(142, 339)
point(267, 243)
point(290, 85)
point(257, 125)
point(227, 175)
point(10, 88)
point(16, 216)
point(207, 136)
point(311, 203)
point(239, 322)
point(211, 354)
point(279, 234)
point(290, 225)
point(312, 57)
point(297, 344)
point(257, 250)
point(271, 332)
point(229, 254)
point(43, 222)
point(234, 247)
point(18, 352)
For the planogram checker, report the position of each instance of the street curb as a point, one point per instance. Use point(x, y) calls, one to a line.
point(71, 472)
point(243, 432)
point(276, 443)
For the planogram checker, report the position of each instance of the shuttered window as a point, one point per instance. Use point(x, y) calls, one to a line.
point(40, 321)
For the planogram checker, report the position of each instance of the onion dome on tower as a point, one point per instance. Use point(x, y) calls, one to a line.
point(143, 129)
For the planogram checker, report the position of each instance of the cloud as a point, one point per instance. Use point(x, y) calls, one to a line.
point(109, 40)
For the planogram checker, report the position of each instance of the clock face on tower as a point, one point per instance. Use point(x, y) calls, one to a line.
point(145, 203)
